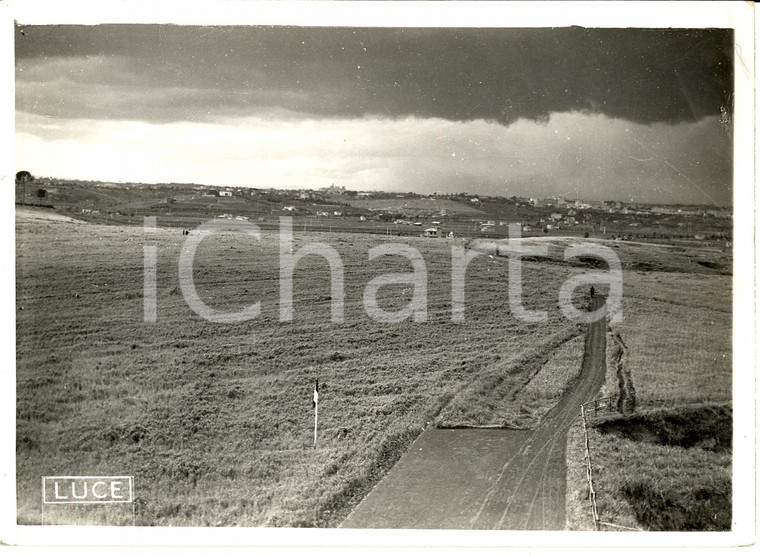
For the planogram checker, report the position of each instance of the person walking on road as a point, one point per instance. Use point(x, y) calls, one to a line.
point(592, 291)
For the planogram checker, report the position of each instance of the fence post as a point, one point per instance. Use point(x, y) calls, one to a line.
point(591, 492)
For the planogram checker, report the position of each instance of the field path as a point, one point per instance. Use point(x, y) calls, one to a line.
point(487, 479)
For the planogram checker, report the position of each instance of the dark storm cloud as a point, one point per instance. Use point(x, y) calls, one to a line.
point(171, 73)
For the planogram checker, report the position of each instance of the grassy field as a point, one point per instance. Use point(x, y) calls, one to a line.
point(518, 392)
point(421, 206)
point(667, 466)
point(215, 420)
point(556, 376)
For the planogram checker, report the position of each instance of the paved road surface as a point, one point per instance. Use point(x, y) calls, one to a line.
point(487, 479)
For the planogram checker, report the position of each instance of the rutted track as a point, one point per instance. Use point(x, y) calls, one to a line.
point(487, 479)
point(530, 492)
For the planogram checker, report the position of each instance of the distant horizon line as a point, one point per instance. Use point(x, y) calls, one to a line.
point(392, 191)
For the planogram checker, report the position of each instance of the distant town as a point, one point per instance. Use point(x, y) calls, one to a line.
point(337, 207)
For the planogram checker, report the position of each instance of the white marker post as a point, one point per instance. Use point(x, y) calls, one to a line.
point(315, 404)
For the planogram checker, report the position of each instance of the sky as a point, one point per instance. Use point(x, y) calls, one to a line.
point(601, 114)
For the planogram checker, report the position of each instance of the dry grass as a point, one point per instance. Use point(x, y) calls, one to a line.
point(556, 376)
point(578, 515)
point(677, 328)
point(661, 487)
point(519, 394)
point(215, 420)
point(497, 396)
point(421, 206)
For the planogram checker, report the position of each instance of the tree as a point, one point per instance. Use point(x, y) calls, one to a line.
point(41, 193)
point(22, 178)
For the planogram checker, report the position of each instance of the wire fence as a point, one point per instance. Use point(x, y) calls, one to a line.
point(604, 403)
point(597, 405)
point(591, 491)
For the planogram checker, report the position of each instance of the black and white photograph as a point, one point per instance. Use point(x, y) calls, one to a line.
point(486, 278)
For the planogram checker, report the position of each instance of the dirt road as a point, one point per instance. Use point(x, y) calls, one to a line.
point(487, 479)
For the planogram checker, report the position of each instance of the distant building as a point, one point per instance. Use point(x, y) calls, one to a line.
point(432, 232)
point(333, 190)
point(691, 211)
point(289, 208)
point(225, 193)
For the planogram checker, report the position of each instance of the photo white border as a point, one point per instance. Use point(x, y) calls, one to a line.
point(738, 15)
